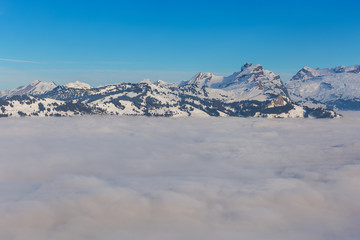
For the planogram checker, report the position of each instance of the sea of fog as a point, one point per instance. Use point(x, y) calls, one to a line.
point(135, 178)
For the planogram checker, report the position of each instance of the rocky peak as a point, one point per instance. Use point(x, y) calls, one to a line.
point(246, 65)
point(249, 69)
point(205, 79)
point(252, 73)
point(305, 73)
point(251, 78)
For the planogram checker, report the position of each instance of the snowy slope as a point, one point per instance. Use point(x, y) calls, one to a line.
point(34, 88)
point(21, 106)
point(331, 87)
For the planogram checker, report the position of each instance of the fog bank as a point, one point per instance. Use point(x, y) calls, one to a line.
point(187, 178)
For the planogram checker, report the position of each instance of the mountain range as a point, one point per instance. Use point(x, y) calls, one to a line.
point(250, 92)
point(332, 88)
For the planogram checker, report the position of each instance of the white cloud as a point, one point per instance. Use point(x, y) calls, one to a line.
point(16, 60)
point(161, 178)
point(95, 62)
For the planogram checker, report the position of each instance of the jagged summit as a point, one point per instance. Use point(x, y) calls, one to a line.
point(246, 65)
point(253, 73)
point(252, 82)
point(248, 73)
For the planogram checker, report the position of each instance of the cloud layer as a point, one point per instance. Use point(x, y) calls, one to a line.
point(155, 178)
point(16, 60)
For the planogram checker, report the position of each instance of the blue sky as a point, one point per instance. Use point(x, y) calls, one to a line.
point(103, 42)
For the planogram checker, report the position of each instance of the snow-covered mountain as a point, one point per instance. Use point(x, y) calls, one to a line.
point(77, 84)
point(34, 88)
point(334, 88)
point(251, 83)
point(251, 92)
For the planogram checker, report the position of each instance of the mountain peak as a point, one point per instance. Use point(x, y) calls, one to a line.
point(78, 85)
point(306, 73)
point(146, 80)
point(309, 73)
point(249, 68)
point(249, 73)
point(202, 79)
point(328, 87)
point(36, 87)
point(306, 68)
point(35, 82)
point(160, 82)
point(201, 75)
point(246, 65)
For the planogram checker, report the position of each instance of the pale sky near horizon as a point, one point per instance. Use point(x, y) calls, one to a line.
point(103, 42)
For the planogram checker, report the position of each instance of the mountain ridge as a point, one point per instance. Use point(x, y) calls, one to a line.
point(251, 92)
point(333, 88)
